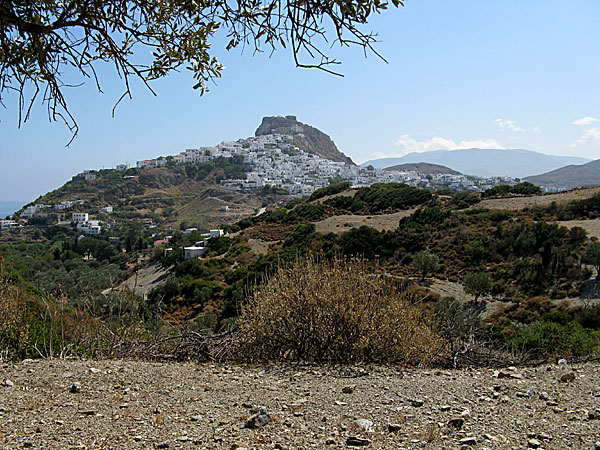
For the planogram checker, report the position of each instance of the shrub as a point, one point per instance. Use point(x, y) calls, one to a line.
point(334, 311)
point(477, 284)
point(329, 190)
point(543, 338)
point(592, 256)
point(426, 262)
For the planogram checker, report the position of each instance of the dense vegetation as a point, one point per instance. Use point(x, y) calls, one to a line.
point(523, 259)
point(525, 188)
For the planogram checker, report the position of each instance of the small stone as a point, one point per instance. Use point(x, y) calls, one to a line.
point(8, 383)
point(162, 445)
point(394, 427)
point(544, 396)
point(364, 425)
point(416, 403)
point(348, 389)
point(445, 408)
point(356, 441)
point(456, 422)
point(259, 419)
point(197, 418)
point(563, 361)
point(75, 388)
point(468, 441)
point(567, 377)
point(533, 443)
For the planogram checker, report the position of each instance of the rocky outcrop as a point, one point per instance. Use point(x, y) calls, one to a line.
point(304, 136)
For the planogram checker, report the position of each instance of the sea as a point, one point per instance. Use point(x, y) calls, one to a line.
point(7, 208)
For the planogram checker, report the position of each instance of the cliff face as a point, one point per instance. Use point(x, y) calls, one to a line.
point(304, 136)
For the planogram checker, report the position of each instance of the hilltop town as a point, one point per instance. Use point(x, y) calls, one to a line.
point(275, 161)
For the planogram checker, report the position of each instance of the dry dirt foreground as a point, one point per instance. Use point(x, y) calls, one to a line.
point(134, 405)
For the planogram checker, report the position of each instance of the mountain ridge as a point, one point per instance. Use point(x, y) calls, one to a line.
point(426, 168)
point(570, 177)
point(516, 163)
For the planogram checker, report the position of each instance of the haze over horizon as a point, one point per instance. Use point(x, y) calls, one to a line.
point(513, 74)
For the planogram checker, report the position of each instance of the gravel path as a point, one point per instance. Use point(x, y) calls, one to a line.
point(135, 405)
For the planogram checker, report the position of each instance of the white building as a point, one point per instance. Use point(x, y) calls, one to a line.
point(107, 210)
point(6, 224)
point(91, 227)
point(216, 233)
point(80, 217)
point(193, 252)
point(121, 167)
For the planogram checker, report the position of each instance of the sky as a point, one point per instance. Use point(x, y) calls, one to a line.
point(459, 74)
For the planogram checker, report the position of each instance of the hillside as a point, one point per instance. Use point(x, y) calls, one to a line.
point(485, 162)
point(425, 168)
point(168, 196)
point(570, 177)
point(304, 136)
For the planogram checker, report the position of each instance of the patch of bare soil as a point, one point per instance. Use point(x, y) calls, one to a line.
point(518, 203)
point(447, 288)
point(145, 279)
point(344, 222)
point(135, 405)
point(592, 226)
point(259, 247)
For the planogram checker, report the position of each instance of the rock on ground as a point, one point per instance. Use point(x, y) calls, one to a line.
point(137, 405)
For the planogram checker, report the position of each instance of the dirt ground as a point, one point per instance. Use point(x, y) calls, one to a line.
point(130, 405)
point(341, 223)
point(146, 279)
point(517, 203)
point(592, 226)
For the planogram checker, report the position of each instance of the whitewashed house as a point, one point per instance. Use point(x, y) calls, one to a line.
point(80, 217)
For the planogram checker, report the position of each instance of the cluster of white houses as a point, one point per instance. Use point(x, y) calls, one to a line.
point(43, 211)
point(275, 161)
point(195, 251)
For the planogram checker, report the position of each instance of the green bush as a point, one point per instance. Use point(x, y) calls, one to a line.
point(550, 338)
point(329, 190)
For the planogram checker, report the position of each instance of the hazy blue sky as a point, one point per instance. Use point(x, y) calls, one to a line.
point(461, 73)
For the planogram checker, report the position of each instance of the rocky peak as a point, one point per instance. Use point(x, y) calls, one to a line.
point(304, 136)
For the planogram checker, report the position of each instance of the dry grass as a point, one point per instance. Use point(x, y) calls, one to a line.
point(344, 222)
point(334, 311)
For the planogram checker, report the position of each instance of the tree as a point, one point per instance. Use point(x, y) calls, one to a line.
point(426, 262)
point(592, 256)
point(477, 284)
point(43, 44)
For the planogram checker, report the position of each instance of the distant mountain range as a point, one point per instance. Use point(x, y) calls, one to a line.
point(304, 136)
point(426, 168)
point(514, 163)
point(570, 177)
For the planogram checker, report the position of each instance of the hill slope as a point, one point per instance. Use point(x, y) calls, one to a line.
point(304, 136)
point(485, 162)
point(570, 177)
point(167, 195)
point(426, 168)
